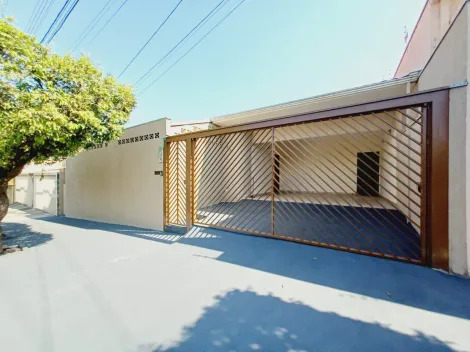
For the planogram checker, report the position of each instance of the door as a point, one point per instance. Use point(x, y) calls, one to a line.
point(45, 193)
point(24, 191)
point(368, 173)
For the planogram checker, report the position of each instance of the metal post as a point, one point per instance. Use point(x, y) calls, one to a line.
point(424, 189)
point(189, 181)
point(166, 175)
point(272, 180)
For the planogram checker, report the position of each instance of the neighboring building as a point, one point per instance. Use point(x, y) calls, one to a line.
point(41, 187)
point(435, 20)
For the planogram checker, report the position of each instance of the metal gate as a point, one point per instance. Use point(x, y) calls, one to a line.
point(175, 182)
point(361, 179)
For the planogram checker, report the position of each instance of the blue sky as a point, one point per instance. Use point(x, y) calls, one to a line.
point(267, 52)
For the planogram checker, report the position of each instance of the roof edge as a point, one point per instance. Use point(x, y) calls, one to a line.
point(411, 77)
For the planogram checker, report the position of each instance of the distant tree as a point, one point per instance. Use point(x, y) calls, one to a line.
point(51, 106)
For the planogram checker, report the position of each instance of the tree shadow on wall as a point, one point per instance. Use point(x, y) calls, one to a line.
point(18, 234)
point(246, 321)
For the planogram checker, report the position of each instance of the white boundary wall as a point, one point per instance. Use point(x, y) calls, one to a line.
point(118, 183)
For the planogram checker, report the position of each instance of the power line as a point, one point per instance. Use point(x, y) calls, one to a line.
point(63, 21)
point(41, 20)
point(151, 37)
point(197, 29)
point(93, 23)
point(107, 22)
point(56, 19)
point(33, 14)
point(39, 16)
point(187, 52)
point(187, 35)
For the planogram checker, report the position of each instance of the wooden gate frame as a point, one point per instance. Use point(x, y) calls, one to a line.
point(435, 202)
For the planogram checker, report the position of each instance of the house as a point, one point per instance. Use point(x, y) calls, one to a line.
point(379, 170)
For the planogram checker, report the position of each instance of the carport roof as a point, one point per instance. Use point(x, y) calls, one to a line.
point(356, 95)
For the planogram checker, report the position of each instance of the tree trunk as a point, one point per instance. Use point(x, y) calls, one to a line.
point(4, 203)
point(5, 176)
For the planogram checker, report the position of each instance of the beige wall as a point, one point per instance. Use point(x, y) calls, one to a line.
point(449, 66)
point(323, 165)
point(435, 20)
point(117, 184)
point(401, 165)
point(212, 155)
point(226, 166)
point(459, 202)
point(261, 167)
point(323, 158)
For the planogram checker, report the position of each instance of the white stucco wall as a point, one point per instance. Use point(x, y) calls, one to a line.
point(449, 66)
point(117, 183)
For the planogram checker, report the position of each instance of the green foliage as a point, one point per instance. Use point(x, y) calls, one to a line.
point(52, 107)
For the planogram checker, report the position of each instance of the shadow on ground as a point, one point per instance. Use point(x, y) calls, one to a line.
point(18, 234)
point(402, 283)
point(246, 321)
point(147, 234)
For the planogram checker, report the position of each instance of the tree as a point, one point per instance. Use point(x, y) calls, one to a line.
point(51, 106)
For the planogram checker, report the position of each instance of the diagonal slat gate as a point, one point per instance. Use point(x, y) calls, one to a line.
point(356, 182)
point(175, 184)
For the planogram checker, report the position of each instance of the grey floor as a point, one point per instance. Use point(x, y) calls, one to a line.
point(87, 286)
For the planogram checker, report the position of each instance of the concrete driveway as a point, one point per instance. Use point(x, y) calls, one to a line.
point(87, 286)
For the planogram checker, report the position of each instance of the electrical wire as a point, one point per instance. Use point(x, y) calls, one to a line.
point(92, 24)
point(178, 44)
point(187, 52)
point(197, 29)
point(33, 14)
point(151, 37)
point(107, 22)
point(38, 15)
point(63, 21)
point(56, 19)
point(41, 20)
